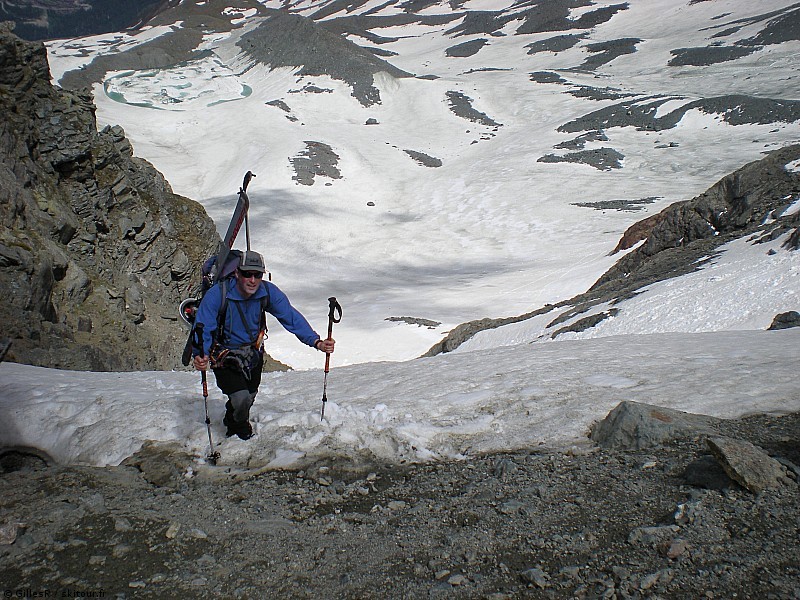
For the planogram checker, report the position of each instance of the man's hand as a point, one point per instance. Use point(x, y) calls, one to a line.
point(201, 363)
point(325, 346)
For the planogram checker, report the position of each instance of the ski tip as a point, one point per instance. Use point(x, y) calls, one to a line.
point(247, 177)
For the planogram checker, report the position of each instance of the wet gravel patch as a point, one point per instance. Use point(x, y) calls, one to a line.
point(466, 49)
point(423, 159)
point(317, 160)
point(558, 43)
point(605, 52)
point(643, 113)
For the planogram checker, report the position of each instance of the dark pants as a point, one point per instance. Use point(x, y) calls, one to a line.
point(240, 389)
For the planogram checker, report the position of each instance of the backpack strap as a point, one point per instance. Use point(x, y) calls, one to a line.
point(219, 335)
point(264, 308)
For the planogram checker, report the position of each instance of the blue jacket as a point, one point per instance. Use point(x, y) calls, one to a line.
point(237, 333)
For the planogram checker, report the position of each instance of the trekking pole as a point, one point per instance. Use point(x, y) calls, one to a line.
point(334, 308)
point(243, 194)
point(213, 456)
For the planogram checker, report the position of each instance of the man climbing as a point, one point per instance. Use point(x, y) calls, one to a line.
point(234, 323)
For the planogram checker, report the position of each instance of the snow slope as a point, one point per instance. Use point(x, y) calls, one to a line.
point(492, 231)
point(445, 407)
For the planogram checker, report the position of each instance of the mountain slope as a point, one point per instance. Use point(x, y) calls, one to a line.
point(759, 202)
point(50, 19)
point(494, 181)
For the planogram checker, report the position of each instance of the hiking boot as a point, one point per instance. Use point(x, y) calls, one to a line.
point(241, 428)
point(245, 430)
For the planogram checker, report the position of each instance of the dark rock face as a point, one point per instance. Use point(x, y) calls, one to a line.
point(166, 50)
point(738, 205)
point(95, 249)
point(786, 320)
point(287, 40)
point(69, 18)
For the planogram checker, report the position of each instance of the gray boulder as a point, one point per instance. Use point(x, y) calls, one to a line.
point(748, 465)
point(634, 426)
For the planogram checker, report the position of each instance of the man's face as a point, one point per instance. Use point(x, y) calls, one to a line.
point(248, 282)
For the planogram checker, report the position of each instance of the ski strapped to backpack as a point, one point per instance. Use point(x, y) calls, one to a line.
point(218, 267)
point(240, 214)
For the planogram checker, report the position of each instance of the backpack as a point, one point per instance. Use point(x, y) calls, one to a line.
point(188, 308)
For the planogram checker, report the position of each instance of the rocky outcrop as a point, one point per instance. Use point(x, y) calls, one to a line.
point(289, 40)
point(751, 201)
point(96, 250)
point(67, 19)
point(785, 320)
point(174, 46)
point(637, 426)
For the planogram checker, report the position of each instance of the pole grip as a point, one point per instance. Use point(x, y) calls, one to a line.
point(198, 338)
point(334, 309)
point(334, 316)
point(198, 332)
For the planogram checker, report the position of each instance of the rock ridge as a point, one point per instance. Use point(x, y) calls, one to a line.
point(96, 250)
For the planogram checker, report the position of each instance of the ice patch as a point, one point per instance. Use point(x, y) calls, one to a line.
point(285, 458)
point(206, 81)
point(793, 209)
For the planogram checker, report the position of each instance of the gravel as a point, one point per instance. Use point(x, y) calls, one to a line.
point(536, 523)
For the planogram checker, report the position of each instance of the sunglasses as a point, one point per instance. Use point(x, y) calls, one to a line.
point(251, 274)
